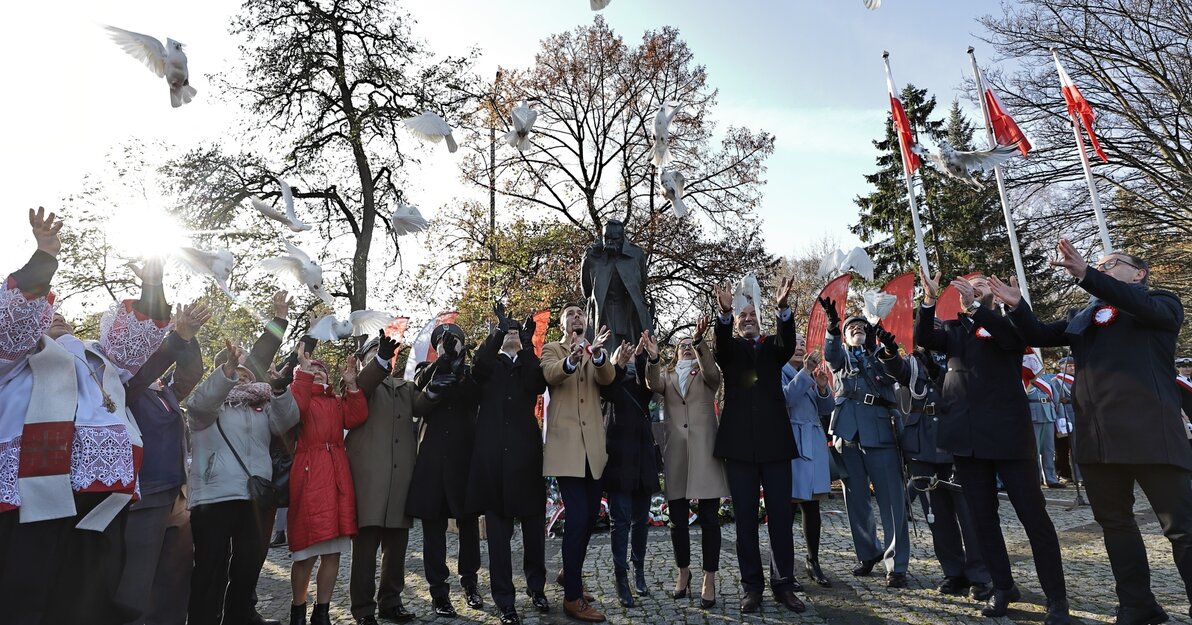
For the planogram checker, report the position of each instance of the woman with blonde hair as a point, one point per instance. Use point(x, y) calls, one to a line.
point(688, 389)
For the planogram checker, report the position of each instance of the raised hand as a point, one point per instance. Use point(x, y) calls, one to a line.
point(303, 358)
point(386, 346)
point(526, 334)
point(45, 231)
point(829, 306)
point(931, 288)
point(812, 361)
point(649, 344)
point(232, 352)
point(784, 292)
point(623, 353)
point(577, 353)
point(967, 294)
point(149, 273)
point(189, 318)
point(701, 328)
point(349, 373)
point(504, 323)
point(724, 297)
point(887, 339)
point(601, 337)
point(1008, 293)
point(1070, 259)
point(281, 304)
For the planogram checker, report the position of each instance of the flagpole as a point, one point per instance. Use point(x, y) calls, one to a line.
point(1103, 228)
point(920, 248)
point(1001, 182)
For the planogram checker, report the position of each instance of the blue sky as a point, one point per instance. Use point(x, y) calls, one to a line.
point(808, 71)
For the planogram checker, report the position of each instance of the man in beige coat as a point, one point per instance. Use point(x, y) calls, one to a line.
point(381, 454)
point(575, 449)
point(688, 393)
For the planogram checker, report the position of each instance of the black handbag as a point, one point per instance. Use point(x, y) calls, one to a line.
point(261, 490)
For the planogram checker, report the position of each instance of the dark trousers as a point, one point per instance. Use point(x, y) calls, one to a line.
point(630, 513)
point(229, 550)
point(581, 500)
point(52, 573)
point(953, 534)
point(709, 529)
point(159, 556)
point(500, 555)
point(1111, 494)
point(434, 554)
point(1063, 463)
point(978, 477)
point(744, 481)
point(362, 584)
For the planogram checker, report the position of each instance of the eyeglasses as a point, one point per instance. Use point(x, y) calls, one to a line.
point(1113, 262)
point(684, 345)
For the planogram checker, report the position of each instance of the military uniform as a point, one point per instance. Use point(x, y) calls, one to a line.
point(1039, 395)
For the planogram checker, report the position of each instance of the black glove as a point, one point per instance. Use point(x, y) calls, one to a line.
point(887, 339)
point(527, 333)
point(441, 383)
point(829, 307)
point(387, 347)
point(504, 322)
point(451, 348)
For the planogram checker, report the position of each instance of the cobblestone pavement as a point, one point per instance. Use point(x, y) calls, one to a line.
point(863, 601)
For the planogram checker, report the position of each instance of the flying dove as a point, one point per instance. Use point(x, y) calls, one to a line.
point(358, 323)
point(168, 61)
point(872, 5)
point(672, 188)
point(830, 264)
point(660, 151)
point(858, 261)
point(297, 264)
point(430, 127)
point(523, 118)
point(289, 218)
point(960, 164)
point(406, 219)
point(216, 264)
point(877, 305)
point(748, 292)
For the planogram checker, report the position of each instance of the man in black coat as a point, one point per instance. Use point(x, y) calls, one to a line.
point(755, 439)
point(439, 486)
point(506, 481)
point(1128, 425)
point(986, 425)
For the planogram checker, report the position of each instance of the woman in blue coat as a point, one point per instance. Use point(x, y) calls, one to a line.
point(807, 398)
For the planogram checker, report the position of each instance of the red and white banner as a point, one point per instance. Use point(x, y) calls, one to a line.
point(817, 322)
point(902, 126)
point(1078, 107)
point(901, 320)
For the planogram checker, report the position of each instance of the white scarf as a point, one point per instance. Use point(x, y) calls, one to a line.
point(684, 369)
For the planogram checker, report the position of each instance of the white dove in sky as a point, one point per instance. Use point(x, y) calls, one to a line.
point(168, 61)
point(289, 218)
point(297, 264)
point(747, 292)
point(660, 151)
point(672, 188)
point(523, 118)
point(406, 219)
point(856, 260)
point(872, 5)
point(430, 127)
point(358, 323)
point(961, 165)
point(877, 305)
point(599, 4)
point(216, 264)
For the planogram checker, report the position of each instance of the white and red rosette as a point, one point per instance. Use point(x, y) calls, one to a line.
point(1105, 315)
point(983, 334)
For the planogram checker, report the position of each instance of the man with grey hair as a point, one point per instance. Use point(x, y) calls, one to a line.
point(1128, 429)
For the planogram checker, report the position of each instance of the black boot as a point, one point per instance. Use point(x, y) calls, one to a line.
point(298, 614)
point(639, 580)
point(321, 614)
point(623, 589)
point(812, 566)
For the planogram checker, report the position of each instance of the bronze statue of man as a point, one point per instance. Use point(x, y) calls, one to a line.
point(613, 277)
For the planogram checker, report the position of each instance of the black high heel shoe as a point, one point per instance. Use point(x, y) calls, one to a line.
point(682, 593)
point(812, 566)
point(707, 604)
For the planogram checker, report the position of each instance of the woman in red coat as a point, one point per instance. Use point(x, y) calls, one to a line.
point(322, 515)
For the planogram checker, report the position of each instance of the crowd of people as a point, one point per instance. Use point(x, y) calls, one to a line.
point(135, 487)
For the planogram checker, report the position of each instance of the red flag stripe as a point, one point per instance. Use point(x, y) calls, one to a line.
point(902, 125)
point(1005, 129)
point(817, 322)
point(1079, 108)
point(901, 320)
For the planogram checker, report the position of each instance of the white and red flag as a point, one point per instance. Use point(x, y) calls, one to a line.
point(420, 350)
point(1005, 129)
point(902, 126)
point(1078, 107)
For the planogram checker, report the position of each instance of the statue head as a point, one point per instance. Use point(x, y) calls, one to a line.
point(614, 236)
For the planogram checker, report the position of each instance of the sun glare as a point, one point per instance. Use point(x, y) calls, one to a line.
point(145, 232)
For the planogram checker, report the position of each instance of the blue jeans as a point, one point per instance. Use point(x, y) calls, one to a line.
point(630, 514)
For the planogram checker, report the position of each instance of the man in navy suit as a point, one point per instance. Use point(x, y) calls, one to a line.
point(1128, 425)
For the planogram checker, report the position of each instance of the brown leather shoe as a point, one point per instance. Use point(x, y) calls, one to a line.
point(789, 599)
point(750, 602)
point(581, 610)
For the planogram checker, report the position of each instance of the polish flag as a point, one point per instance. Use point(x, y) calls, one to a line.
point(541, 322)
point(420, 350)
point(1032, 366)
point(1078, 107)
point(902, 125)
point(1005, 130)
